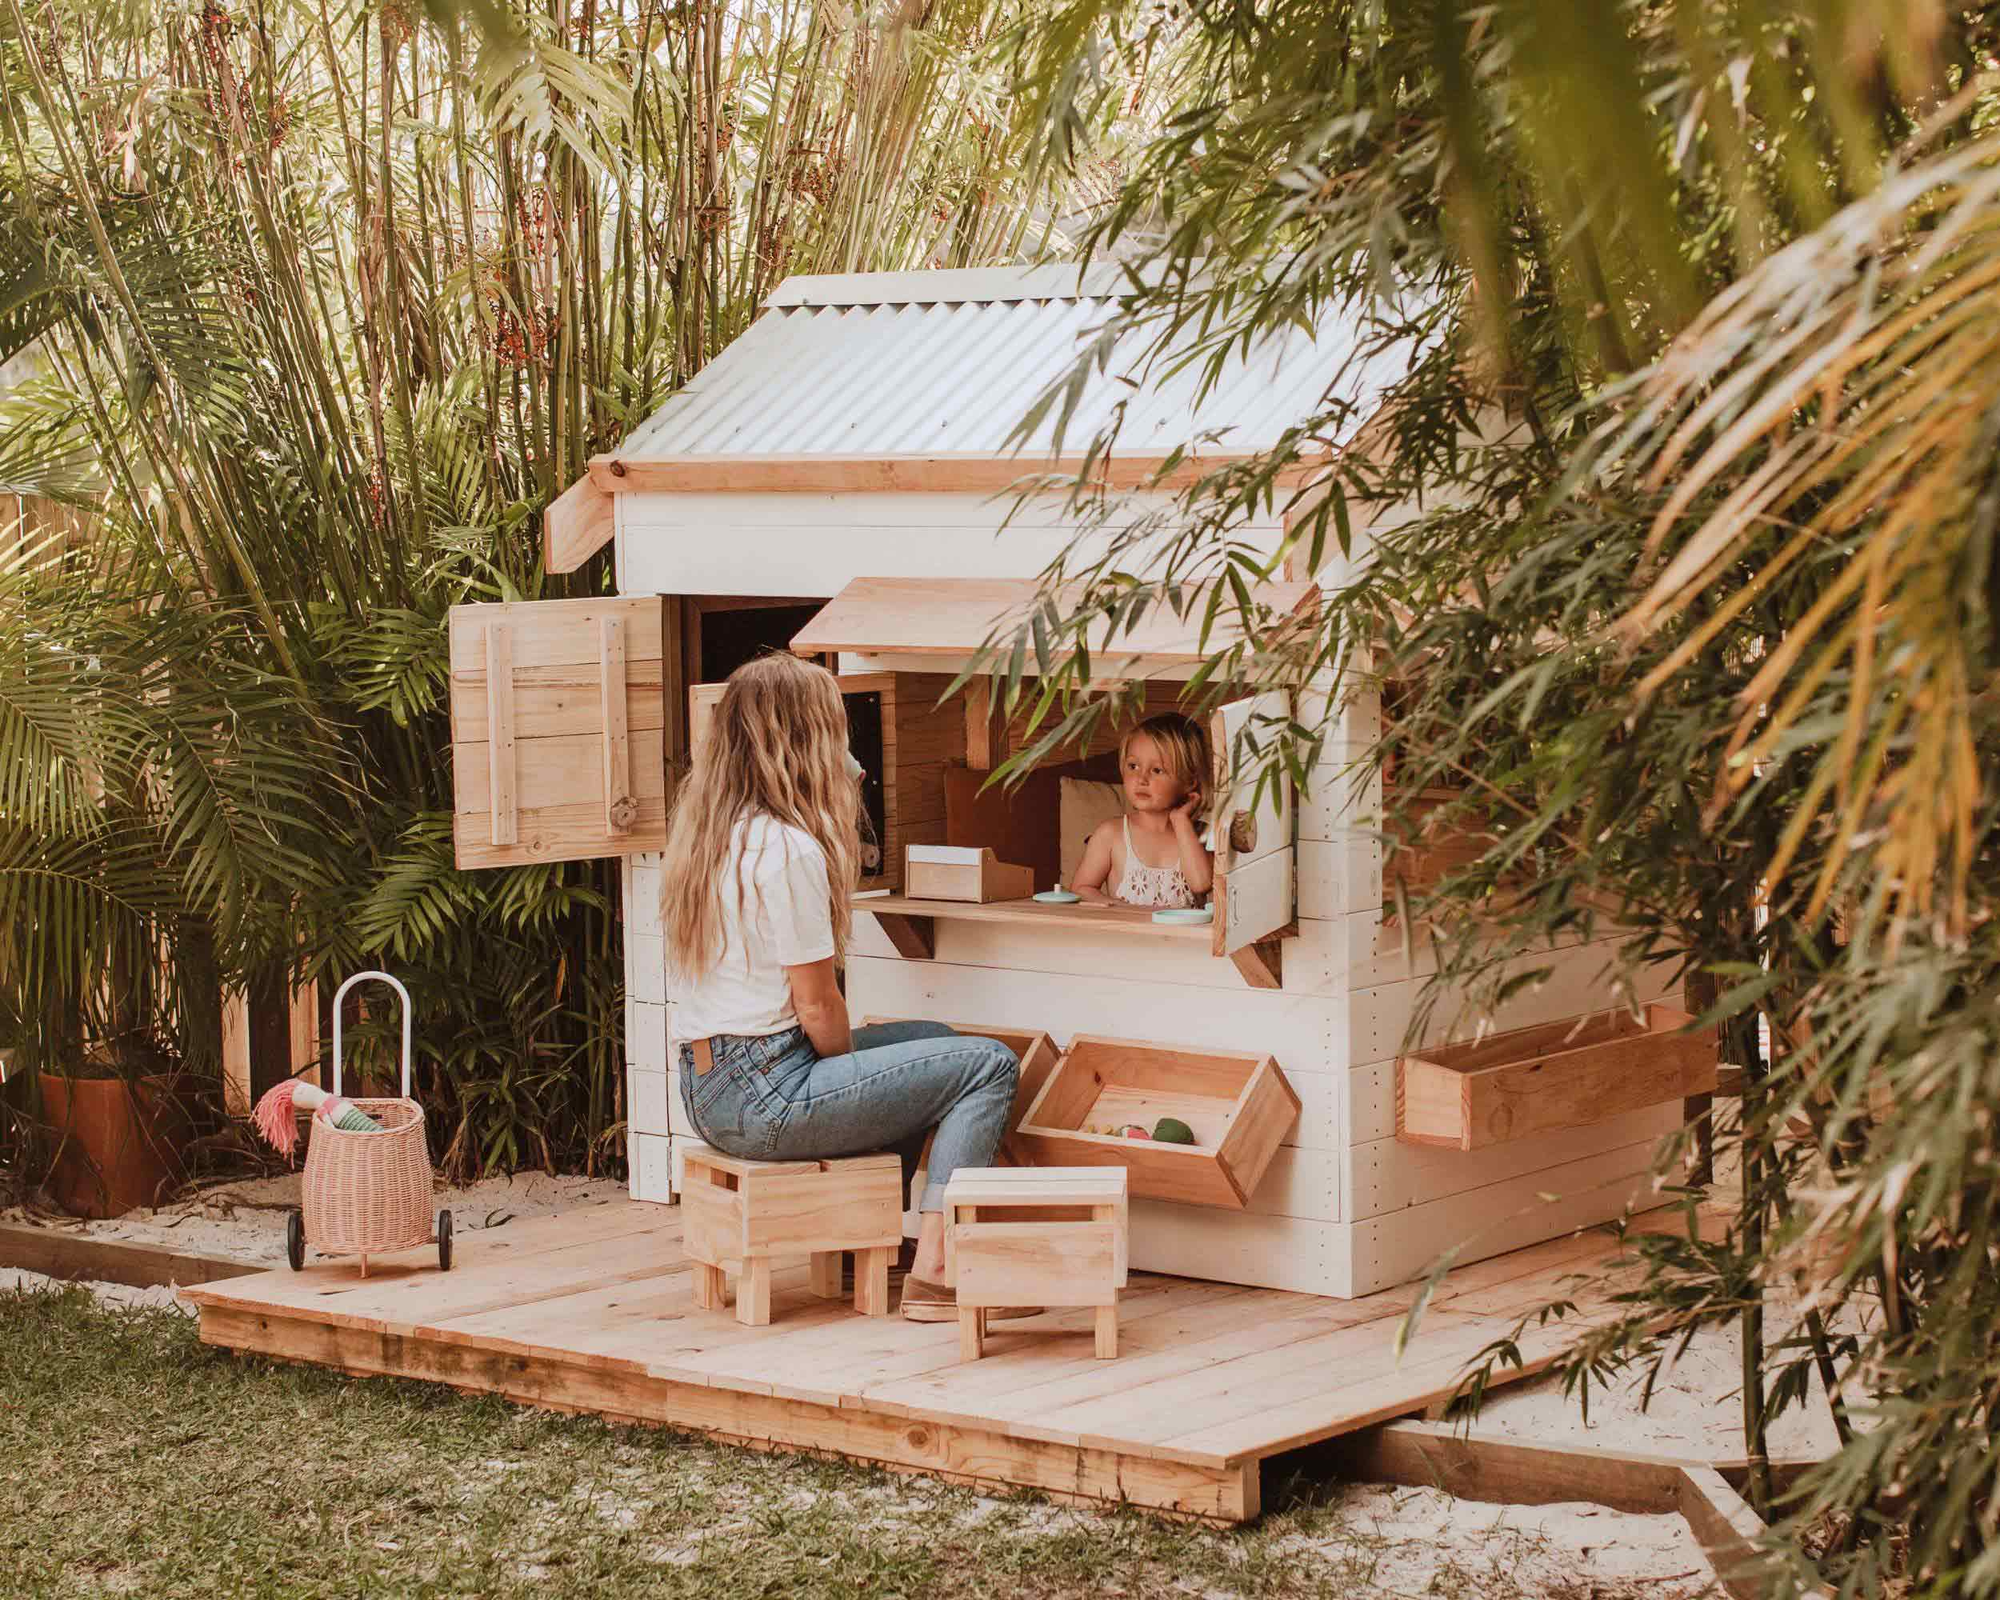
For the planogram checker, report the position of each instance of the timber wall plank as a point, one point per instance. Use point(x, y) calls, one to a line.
point(1387, 1175)
point(815, 544)
point(1499, 1217)
point(1292, 1028)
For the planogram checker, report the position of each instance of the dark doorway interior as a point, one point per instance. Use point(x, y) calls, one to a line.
point(730, 638)
point(723, 632)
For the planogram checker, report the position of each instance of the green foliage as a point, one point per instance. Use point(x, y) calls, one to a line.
point(1667, 554)
point(319, 308)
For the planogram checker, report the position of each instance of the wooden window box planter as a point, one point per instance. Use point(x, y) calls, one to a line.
point(1238, 1106)
point(1561, 1075)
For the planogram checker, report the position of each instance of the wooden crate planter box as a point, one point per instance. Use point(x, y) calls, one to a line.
point(1562, 1075)
point(1038, 1055)
point(962, 872)
point(1238, 1106)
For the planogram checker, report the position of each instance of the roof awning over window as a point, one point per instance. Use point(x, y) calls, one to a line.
point(938, 620)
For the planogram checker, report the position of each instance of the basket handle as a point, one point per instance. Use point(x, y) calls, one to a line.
point(340, 993)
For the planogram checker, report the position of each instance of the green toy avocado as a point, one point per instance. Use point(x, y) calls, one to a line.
point(1171, 1130)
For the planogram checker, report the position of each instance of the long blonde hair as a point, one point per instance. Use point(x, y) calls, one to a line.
point(777, 745)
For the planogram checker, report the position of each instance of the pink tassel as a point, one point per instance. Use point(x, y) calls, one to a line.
point(275, 1119)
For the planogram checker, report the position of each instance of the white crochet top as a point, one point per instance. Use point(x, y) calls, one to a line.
point(1158, 887)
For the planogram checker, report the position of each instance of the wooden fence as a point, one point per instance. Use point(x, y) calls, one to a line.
point(28, 520)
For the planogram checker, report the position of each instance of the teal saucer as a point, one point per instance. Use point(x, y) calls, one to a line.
point(1058, 897)
point(1188, 914)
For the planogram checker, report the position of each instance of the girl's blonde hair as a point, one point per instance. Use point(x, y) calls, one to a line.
point(776, 745)
point(1183, 746)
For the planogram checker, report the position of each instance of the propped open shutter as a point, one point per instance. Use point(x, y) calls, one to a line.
point(1256, 862)
point(559, 712)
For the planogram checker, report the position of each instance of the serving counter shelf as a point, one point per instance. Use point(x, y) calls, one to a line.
point(910, 922)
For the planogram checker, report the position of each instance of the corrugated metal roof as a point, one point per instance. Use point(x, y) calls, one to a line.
point(917, 363)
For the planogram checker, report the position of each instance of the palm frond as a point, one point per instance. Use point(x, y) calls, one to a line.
point(1859, 370)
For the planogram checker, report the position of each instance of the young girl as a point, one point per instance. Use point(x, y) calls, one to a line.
point(761, 857)
point(1153, 856)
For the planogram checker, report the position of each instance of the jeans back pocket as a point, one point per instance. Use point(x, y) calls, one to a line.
point(726, 1104)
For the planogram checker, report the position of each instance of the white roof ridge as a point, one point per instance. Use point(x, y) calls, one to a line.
point(1062, 280)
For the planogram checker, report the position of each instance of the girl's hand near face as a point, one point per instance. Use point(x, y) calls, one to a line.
point(1197, 865)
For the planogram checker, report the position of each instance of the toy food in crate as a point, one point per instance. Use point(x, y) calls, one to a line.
point(368, 1167)
point(1199, 1127)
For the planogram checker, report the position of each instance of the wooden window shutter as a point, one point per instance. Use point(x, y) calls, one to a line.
point(559, 712)
point(1256, 859)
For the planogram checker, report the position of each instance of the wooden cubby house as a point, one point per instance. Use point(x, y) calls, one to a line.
point(839, 481)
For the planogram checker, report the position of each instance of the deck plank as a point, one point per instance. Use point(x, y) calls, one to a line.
point(1027, 1363)
point(655, 1327)
point(1045, 1345)
point(515, 1264)
point(1195, 1345)
point(1163, 1415)
point(1375, 1383)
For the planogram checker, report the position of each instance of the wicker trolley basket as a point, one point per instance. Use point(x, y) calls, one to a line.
point(369, 1192)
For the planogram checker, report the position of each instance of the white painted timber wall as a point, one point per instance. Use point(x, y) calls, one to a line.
point(1344, 1208)
point(652, 1107)
point(815, 544)
point(1402, 1204)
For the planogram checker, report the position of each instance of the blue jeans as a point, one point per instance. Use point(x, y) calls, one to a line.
point(776, 1098)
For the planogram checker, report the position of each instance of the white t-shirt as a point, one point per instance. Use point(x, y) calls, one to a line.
point(786, 920)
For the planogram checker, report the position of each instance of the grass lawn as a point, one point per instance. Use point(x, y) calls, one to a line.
point(139, 1462)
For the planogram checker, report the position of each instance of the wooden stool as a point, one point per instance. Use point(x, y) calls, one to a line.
point(739, 1215)
point(1025, 1236)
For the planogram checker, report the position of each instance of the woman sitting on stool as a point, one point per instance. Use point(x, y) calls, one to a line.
point(762, 855)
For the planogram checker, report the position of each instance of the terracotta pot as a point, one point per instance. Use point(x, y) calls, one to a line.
point(120, 1142)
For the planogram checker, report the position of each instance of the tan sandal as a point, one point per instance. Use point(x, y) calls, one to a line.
point(924, 1301)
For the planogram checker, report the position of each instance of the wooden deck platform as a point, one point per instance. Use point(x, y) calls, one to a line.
point(594, 1311)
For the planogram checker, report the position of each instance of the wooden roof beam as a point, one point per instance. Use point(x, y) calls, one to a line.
point(580, 523)
point(577, 525)
point(931, 474)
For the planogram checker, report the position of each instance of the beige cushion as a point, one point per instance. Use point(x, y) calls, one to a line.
point(1084, 807)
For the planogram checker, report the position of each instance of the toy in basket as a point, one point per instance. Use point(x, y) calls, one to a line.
point(368, 1168)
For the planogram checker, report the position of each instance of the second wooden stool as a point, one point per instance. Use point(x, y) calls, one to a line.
point(741, 1215)
point(1049, 1236)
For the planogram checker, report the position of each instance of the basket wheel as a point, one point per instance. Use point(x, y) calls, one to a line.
point(295, 1240)
point(444, 1241)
